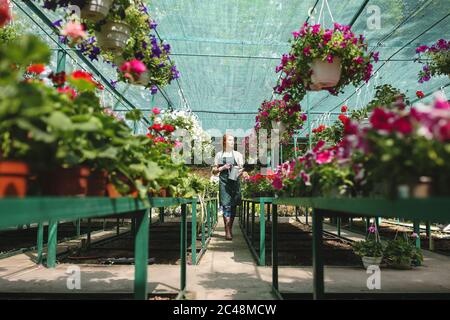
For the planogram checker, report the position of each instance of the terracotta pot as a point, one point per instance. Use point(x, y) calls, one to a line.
point(13, 179)
point(325, 75)
point(114, 37)
point(113, 193)
point(96, 10)
point(97, 183)
point(66, 182)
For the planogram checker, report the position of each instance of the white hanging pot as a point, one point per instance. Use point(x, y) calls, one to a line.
point(113, 37)
point(96, 10)
point(325, 74)
point(280, 126)
point(143, 79)
point(371, 261)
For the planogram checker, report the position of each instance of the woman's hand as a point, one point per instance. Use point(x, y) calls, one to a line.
point(225, 167)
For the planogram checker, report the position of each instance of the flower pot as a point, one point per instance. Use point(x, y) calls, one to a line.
point(404, 264)
point(66, 182)
point(13, 178)
point(325, 74)
point(371, 261)
point(97, 184)
point(111, 191)
point(113, 37)
point(95, 10)
point(280, 126)
point(143, 79)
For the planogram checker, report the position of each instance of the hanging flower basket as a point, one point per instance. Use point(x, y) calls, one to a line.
point(324, 59)
point(280, 126)
point(113, 37)
point(325, 74)
point(371, 261)
point(96, 10)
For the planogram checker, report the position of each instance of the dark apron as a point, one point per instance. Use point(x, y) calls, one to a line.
point(229, 190)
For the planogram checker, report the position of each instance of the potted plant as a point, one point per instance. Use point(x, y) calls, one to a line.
point(401, 253)
point(273, 115)
point(95, 10)
point(322, 59)
point(370, 250)
point(114, 30)
point(22, 106)
point(437, 60)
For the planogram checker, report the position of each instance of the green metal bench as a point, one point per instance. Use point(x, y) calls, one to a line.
point(432, 209)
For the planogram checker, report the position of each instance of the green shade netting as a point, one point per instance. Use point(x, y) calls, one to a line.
point(226, 52)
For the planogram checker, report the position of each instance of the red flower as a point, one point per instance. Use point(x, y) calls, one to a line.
point(5, 13)
point(420, 94)
point(403, 125)
point(156, 110)
point(344, 109)
point(79, 74)
point(380, 119)
point(149, 135)
point(156, 127)
point(344, 119)
point(36, 68)
point(58, 79)
point(68, 91)
point(168, 128)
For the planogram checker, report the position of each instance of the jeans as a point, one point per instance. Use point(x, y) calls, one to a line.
point(229, 211)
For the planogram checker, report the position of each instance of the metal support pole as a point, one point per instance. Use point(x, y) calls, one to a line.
point(338, 222)
point(309, 121)
point(78, 227)
point(318, 273)
point(183, 248)
point(253, 225)
point(194, 232)
point(40, 242)
point(208, 215)
point(117, 226)
point(161, 214)
point(52, 243)
point(88, 244)
point(141, 255)
point(275, 247)
point(430, 237)
point(262, 235)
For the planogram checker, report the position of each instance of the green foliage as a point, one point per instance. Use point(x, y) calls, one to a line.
point(368, 248)
point(401, 251)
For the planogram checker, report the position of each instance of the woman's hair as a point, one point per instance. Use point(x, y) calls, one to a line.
point(224, 140)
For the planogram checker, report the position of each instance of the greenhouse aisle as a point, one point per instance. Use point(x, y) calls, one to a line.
point(228, 270)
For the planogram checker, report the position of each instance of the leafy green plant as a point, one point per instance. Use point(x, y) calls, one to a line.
point(401, 251)
point(368, 248)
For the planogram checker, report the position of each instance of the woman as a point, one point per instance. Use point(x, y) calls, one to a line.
point(229, 186)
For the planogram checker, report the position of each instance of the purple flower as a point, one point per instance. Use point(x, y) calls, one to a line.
point(330, 58)
point(156, 51)
point(376, 56)
point(139, 55)
point(166, 47)
point(161, 65)
point(63, 39)
point(372, 229)
point(153, 25)
point(154, 90)
point(144, 45)
point(414, 235)
point(57, 23)
point(175, 73)
point(114, 83)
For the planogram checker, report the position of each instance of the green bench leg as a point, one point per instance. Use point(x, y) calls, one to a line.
point(318, 273)
point(78, 227)
point(141, 255)
point(194, 232)
point(40, 242)
point(262, 236)
point(183, 248)
point(52, 243)
point(275, 247)
point(430, 237)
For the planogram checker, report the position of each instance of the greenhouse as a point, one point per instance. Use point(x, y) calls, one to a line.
point(224, 150)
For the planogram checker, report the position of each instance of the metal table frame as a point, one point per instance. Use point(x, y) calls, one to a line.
point(431, 209)
point(53, 209)
point(249, 233)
